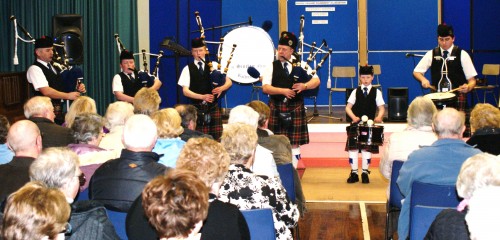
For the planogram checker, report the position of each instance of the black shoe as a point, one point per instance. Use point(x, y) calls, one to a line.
point(353, 177)
point(364, 177)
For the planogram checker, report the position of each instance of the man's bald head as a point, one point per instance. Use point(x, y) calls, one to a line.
point(449, 123)
point(23, 135)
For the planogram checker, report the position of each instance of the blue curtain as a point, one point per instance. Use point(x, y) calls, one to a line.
point(101, 20)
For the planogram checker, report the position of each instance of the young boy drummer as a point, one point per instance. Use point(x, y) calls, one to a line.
point(363, 101)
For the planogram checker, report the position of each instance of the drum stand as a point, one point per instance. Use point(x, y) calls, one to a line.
point(316, 113)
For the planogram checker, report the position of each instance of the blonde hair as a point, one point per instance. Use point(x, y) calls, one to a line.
point(262, 109)
point(37, 106)
point(168, 121)
point(240, 142)
point(118, 113)
point(35, 211)
point(82, 104)
point(420, 112)
point(146, 101)
point(206, 157)
point(484, 115)
point(479, 171)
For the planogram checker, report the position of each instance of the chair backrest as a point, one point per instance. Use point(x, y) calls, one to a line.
point(260, 223)
point(286, 176)
point(84, 195)
point(376, 69)
point(491, 69)
point(395, 195)
point(427, 200)
point(118, 220)
point(344, 72)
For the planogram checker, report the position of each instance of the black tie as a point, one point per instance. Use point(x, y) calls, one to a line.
point(200, 67)
point(286, 69)
point(445, 54)
point(50, 67)
point(130, 76)
point(365, 92)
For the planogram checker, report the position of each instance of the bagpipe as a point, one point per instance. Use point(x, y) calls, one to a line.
point(72, 76)
point(144, 79)
point(217, 77)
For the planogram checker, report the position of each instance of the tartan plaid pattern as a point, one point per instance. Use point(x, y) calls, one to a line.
point(462, 106)
point(352, 141)
point(215, 126)
point(297, 132)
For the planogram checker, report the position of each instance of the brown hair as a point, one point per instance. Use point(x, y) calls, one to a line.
point(35, 211)
point(484, 115)
point(262, 109)
point(175, 203)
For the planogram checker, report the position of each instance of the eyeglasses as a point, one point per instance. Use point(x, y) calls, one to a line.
point(82, 179)
point(68, 229)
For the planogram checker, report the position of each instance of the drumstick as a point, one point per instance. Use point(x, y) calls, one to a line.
point(432, 87)
point(454, 90)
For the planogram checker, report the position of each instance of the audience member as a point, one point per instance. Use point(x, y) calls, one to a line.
point(25, 140)
point(485, 126)
point(210, 161)
point(118, 182)
point(146, 101)
point(40, 110)
point(36, 212)
point(418, 133)
point(247, 190)
point(478, 172)
point(88, 131)
point(189, 116)
point(438, 163)
point(280, 147)
point(82, 104)
point(58, 168)
point(6, 153)
point(176, 205)
point(482, 217)
point(263, 163)
point(116, 116)
point(168, 145)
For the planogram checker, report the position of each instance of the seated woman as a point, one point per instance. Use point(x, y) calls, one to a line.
point(168, 144)
point(146, 101)
point(6, 154)
point(116, 116)
point(82, 104)
point(485, 126)
point(176, 205)
point(479, 172)
point(36, 212)
point(88, 132)
point(417, 133)
point(210, 161)
point(246, 190)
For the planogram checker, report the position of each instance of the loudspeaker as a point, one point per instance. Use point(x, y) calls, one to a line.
point(67, 28)
point(398, 104)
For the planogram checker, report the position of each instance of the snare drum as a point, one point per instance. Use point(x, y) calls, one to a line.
point(254, 48)
point(443, 99)
point(371, 135)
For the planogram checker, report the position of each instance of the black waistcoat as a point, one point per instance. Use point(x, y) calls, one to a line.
point(455, 70)
point(55, 80)
point(199, 83)
point(365, 105)
point(130, 87)
point(281, 80)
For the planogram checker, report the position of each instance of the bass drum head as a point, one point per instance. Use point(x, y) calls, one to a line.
point(254, 47)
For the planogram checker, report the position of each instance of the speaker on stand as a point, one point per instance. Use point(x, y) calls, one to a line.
point(398, 104)
point(67, 28)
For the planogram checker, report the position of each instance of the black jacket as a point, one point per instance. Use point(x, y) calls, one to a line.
point(13, 175)
point(53, 135)
point(118, 182)
point(89, 221)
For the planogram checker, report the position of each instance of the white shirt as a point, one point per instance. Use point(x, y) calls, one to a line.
point(36, 77)
point(426, 62)
point(263, 163)
point(185, 79)
point(267, 77)
point(379, 100)
point(117, 82)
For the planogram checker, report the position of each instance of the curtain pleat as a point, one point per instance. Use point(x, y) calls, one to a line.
point(101, 20)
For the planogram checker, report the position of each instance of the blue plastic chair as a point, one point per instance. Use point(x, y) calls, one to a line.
point(286, 176)
point(393, 206)
point(118, 220)
point(83, 195)
point(260, 223)
point(427, 201)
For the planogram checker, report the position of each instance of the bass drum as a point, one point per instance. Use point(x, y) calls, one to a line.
point(254, 47)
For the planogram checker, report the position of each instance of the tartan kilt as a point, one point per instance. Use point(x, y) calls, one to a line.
point(352, 141)
point(462, 106)
point(214, 128)
point(297, 132)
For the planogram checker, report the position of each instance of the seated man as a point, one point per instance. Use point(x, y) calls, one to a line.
point(189, 116)
point(39, 110)
point(118, 182)
point(25, 139)
point(438, 163)
point(59, 168)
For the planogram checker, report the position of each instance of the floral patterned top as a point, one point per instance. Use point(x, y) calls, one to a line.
point(246, 190)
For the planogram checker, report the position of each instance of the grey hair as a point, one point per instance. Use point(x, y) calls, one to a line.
point(140, 132)
point(87, 127)
point(37, 106)
point(244, 114)
point(448, 122)
point(479, 171)
point(55, 167)
point(118, 113)
point(420, 112)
